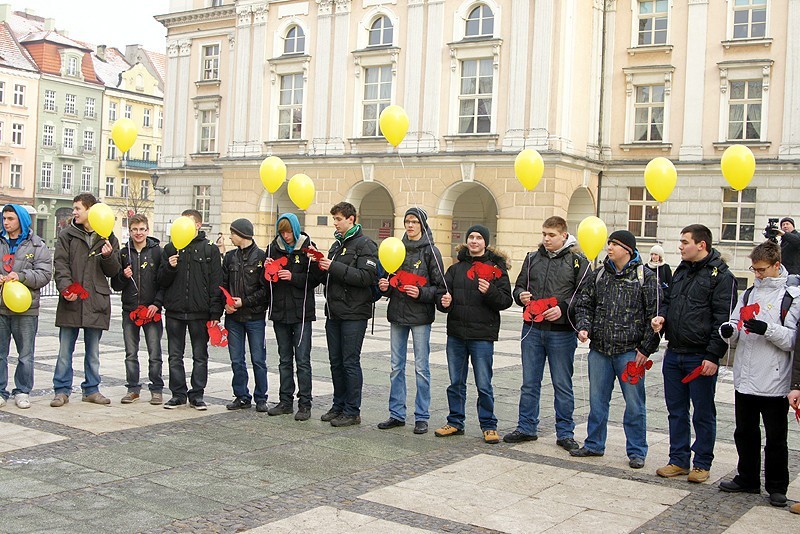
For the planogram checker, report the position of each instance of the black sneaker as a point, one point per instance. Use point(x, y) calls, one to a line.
point(281, 408)
point(636, 463)
point(174, 402)
point(518, 437)
point(303, 413)
point(199, 404)
point(391, 423)
point(261, 406)
point(421, 427)
point(568, 444)
point(777, 499)
point(583, 452)
point(330, 415)
point(239, 403)
point(730, 486)
point(346, 420)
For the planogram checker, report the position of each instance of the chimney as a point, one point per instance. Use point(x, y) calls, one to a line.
point(49, 24)
point(101, 52)
point(5, 11)
point(133, 53)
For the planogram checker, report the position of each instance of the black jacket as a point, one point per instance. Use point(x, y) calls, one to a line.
point(293, 300)
point(243, 277)
point(700, 299)
point(143, 287)
point(790, 251)
point(349, 280)
point(191, 289)
point(420, 261)
point(472, 314)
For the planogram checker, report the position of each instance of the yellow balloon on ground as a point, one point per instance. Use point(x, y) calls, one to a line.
point(660, 178)
point(16, 296)
point(738, 166)
point(182, 232)
point(592, 236)
point(301, 191)
point(124, 134)
point(392, 254)
point(101, 219)
point(272, 173)
point(394, 124)
point(529, 167)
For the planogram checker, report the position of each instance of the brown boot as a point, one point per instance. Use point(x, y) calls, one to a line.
point(96, 398)
point(59, 400)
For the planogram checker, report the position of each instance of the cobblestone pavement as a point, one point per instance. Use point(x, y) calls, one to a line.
point(89, 468)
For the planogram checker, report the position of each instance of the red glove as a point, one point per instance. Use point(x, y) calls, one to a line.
point(228, 298)
point(76, 289)
point(483, 271)
point(218, 335)
point(694, 374)
point(271, 269)
point(404, 278)
point(535, 308)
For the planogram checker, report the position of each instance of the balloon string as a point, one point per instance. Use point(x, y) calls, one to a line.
point(128, 215)
point(269, 253)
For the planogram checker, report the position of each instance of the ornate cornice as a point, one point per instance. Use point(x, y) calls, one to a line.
point(171, 20)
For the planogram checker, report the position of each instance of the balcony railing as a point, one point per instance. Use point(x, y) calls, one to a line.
point(75, 151)
point(144, 164)
point(57, 190)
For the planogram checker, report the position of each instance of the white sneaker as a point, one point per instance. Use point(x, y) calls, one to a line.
point(23, 400)
point(2, 402)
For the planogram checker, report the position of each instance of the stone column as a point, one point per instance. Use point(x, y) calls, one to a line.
point(697, 35)
point(339, 80)
point(183, 141)
point(432, 97)
point(322, 61)
point(242, 81)
point(790, 138)
point(171, 104)
point(254, 134)
point(414, 61)
point(517, 74)
point(541, 75)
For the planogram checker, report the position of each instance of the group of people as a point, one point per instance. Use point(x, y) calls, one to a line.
point(622, 308)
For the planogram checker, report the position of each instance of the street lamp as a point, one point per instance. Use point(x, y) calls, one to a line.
point(154, 180)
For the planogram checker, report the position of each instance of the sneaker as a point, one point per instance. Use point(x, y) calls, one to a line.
point(281, 408)
point(261, 406)
point(448, 430)
point(174, 402)
point(130, 398)
point(421, 427)
point(518, 437)
point(96, 398)
point(156, 398)
point(583, 452)
point(198, 404)
point(671, 470)
point(303, 413)
point(795, 508)
point(346, 420)
point(491, 436)
point(730, 486)
point(636, 463)
point(777, 499)
point(59, 400)
point(330, 415)
point(391, 423)
point(239, 403)
point(699, 475)
point(568, 444)
point(22, 400)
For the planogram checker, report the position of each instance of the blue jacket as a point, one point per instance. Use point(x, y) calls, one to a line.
point(32, 260)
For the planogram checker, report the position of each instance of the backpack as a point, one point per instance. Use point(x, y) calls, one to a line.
point(639, 275)
point(376, 291)
point(786, 301)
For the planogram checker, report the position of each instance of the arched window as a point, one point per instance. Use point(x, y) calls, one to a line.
point(480, 22)
point(381, 32)
point(295, 41)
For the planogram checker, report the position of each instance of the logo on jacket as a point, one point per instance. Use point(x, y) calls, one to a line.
point(371, 263)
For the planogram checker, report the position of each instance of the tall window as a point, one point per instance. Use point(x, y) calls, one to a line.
point(642, 213)
point(16, 176)
point(48, 135)
point(290, 109)
point(208, 131)
point(295, 41)
point(69, 137)
point(381, 32)
point(69, 104)
point(160, 119)
point(2, 92)
point(128, 111)
point(112, 150)
point(66, 178)
point(109, 186)
point(112, 111)
point(49, 100)
point(144, 189)
point(158, 152)
point(744, 116)
point(475, 98)
point(480, 22)
point(46, 178)
point(211, 62)
point(88, 141)
point(738, 214)
point(16, 134)
point(145, 151)
point(653, 21)
point(72, 66)
point(19, 94)
point(89, 111)
point(146, 118)
point(649, 114)
point(202, 200)
point(123, 188)
point(86, 179)
point(749, 19)
point(377, 97)
point(1, 130)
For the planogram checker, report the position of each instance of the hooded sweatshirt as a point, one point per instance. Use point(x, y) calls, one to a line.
point(293, 300)
point(31, 260)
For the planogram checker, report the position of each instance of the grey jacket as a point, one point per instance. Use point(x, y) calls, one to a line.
point(34, 265)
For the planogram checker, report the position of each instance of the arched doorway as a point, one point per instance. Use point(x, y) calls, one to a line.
point(375, 210)
point(581, 205)
point(465, 204)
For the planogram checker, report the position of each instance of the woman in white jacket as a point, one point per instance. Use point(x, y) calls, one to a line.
point(762, 369)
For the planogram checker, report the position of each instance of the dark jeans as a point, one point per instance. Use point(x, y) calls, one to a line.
point(176, 344)
point(254, 332)
point(459, 352)
point(23, 329)
point(700, 393)
point(344, 351)
point(294, 345)
point(152, 337)
point(749, 410)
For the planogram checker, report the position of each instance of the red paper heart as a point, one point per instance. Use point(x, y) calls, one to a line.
point(405, 278)
point(271, 269)
point(483, 271)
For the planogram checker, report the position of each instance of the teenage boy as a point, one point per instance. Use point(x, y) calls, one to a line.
point(85, 258)
point(794, 397)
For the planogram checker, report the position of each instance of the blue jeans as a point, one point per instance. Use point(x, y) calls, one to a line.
point(558, 348)
point(62, 378)
point(603, 370)
point(458, 358)
point(176, 345)
point(152, 337)
point(345, 339)
point(254, 331)
point(700, 392)
point(294, 346)
point(422, 350)
point(23, 329)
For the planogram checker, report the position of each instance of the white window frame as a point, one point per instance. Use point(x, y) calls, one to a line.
point(212, 124)
point(144, 190)
point(463, 11)
point(476, 96)
point(158, 153)
point(2, 92)
point(145, 151)
point(112, 111)
point(650, 105)
point(48, 135)
point(124, 187)
point(381, 103)
point(146, 118)
point(732, 8)
point(15, 176)
point(160, 119)
point(479, 49)
point(635, 26)
point(481, 21)
point(297, 38)
point(68, 138)
point(292, 106)
point(201, 199)
point(739, 204)
point(641, 76)
point(86, 178)
point(88, 140)
point(73, 66)
point(67, 175)
point(645, 201)
point(381, 32)
point(110, 186)
point(70, 106)
point(50, 100)
point(210, 63)
point(112, 150)
point(46, 175)
point(89, 112)
point(742, 71)
point(17, 134)
point(128, 111)
point(19, 95)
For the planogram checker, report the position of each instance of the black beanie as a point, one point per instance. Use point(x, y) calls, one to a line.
point(243, 228)
point(787, 219)
point(419, 213)
point(625, 239)
point(481, 230)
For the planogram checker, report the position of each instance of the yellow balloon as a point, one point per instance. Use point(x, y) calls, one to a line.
point(392, 254)
point(529, 167)
point(592, 236)
point(124, 134)
point(272, 173)
point(738, 166)
point(101, 219)
point(16, 296)
point(182, 232)
point(660, 178)
point(301, 191)
point(394, 124)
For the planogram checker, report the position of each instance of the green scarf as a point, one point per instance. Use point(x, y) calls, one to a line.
point(341, 238)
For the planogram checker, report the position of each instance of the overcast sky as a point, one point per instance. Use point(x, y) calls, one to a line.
point(110, 22)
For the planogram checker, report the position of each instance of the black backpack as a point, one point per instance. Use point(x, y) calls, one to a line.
point(786, 301)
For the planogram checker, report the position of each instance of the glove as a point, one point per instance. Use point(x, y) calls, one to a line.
point(756, 327)
point(726, 330)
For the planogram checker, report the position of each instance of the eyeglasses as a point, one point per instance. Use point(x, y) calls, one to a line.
point(138, 230)
point(757, 270)
point(8, 262)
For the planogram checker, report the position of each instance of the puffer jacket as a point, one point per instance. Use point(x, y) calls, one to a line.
point(790, 251)
point(78, 259)
point(616, 309)
point(472, 314)
point(142, 289)
point(243, 277)
point(422, 259)
point(32, 262)
point(191, 288)
point(697, 303)
point(349, 280)
point(763, 364)
point(293, 300)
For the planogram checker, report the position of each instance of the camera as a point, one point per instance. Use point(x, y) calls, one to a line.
point(771, 229)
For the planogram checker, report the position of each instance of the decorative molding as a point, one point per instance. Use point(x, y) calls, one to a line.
point(260, 14)
point(342, 6)
point(288, 65)
point(197, 15)
point(376, 58)
point(479, 48)
point(185, 47)
point(633, 72)
point(172, 49)
point(324, 7)
point(244, 16)
point(231, 41)
point(368, 172)
point(468, 172)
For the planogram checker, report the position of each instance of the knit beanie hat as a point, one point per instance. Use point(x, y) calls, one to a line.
point(787, 219)
point(243, 228)
point(625, 239)
point(420, 214)
point(481, 230)
point(657, 249)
